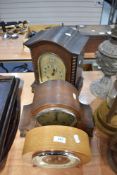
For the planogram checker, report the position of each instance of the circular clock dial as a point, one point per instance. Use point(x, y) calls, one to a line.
point(55, 160)
point(51, 67)
point(57, 116)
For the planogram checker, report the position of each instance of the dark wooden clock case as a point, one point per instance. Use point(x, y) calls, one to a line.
point(96, 33)
point(65, 42)
point(9, 114)
point(56, 94)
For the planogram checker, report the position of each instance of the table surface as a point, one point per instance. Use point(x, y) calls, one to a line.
point(97, 166)
point(13, 50)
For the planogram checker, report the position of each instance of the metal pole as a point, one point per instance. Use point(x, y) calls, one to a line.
point(112, 12)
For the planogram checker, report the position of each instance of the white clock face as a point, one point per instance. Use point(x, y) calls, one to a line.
point(51, 67)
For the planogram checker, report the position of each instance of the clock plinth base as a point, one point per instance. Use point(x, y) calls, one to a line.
point(34, 85)
point(87, 122)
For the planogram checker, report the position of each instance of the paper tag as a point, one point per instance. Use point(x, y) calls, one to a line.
point(76, 138)
point(59, 139)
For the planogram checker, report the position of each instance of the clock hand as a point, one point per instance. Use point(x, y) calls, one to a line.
point(53, 73)
point(56, 117)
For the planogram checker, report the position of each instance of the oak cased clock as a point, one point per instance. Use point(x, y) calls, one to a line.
point(57, 55)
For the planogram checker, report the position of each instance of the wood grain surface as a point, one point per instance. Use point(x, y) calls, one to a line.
point(98, 164)
point(13, 49)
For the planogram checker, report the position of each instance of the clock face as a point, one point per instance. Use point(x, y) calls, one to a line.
point(56, 116)
point(51, 67)
point(55, 159)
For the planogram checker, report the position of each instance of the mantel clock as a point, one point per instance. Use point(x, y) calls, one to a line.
point(57, 55)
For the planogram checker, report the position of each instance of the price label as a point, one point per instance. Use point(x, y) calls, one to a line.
point(59, 139)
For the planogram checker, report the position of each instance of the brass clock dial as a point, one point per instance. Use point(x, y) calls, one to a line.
point(56, 116)
point(51, 67)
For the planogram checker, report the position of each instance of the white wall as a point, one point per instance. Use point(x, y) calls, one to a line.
point(71, 12)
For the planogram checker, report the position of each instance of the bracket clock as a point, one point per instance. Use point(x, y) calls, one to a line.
point(57, 55)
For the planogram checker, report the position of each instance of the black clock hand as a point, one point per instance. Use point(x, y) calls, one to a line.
point(53, 73)
point(56, 116)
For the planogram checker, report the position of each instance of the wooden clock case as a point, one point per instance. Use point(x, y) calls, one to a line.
point(56, 102)
point(65, 42)
point(96, 33)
